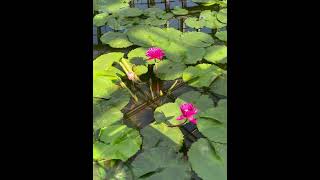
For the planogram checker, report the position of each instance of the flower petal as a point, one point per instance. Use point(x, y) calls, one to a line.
point(192, 120)
point(181, 117)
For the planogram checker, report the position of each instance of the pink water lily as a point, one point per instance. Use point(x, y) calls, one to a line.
point(155, 53)
point(188, 111)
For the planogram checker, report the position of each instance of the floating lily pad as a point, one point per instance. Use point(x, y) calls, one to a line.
point(120, 171)
point(195, 22)
point(114, 23)
point(138, 56)
point(105, 61)
point(153, 12)
point(160, 135)
point(116, 40)
point(216, 54)
point(219, 86)
point(103, 87)
point(201, 75)
point(110, 6)
point(100, 19)
point(197, 39)
point(140, 69)
point(117, 142)
point(168, 70)
point(159, 163)
point(107, 112)
point(165, 16)
point(222, 35)
point(168, 112)
point(130, 12)
point(193, 55)
point(201, 102)
point(154, 21)
point(179, 11)
point(98, 172)
point(206, 162)
point(222, 15)
point(211, 21)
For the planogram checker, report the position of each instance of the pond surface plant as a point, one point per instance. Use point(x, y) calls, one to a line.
point(160, 90)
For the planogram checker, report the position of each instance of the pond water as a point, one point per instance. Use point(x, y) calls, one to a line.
point(140, 114)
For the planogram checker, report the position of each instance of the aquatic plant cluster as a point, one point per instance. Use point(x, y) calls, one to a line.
point(150, 54)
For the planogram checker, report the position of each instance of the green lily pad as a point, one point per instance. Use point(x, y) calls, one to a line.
point(100, 19)
point(193, 55)
point(110, 6)
point(216, 54)
point(195, 22)
point(161, 163)
point(168, 70)
point(222, 35)
point(160, 135)
point(140, 69)
point(103, 87)
point(117, 142)
point(197, 39)
point(222, 15)
point(200, 101)
point(98, 172)
point(206, 162)
point(218, 113)
point(114, 23)
point(154, 21)
point(107, 112)
point(138, 56)
point(179, 11)
point(120, 171)
point(105, 61)
point(168, 112)
point(211, 21)
point(116, 40)
point(219, 86)
point(130, 12)
point(201, 75)
point(165, 16)
point(153, 12)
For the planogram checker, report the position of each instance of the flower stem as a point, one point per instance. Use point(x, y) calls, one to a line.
point(133, 95)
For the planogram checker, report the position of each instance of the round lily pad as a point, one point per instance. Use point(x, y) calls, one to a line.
point(222, 35)
point(222, 15)
point(219, 86)
point(168, 112)
point(206, 162)
point(195, 22)
point(130, 12)
point(140, 69)
point(169, 70)
point(153, 12)
point(116, 40)
point(197, 39)
point(100, 19)
point(179, 11)
point(216, 54)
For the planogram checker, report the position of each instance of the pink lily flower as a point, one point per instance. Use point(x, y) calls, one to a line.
point(155, 53)
point(188, 111)
point(130, 75)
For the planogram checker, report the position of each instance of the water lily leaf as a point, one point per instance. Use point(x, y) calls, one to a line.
point(103, 87)
point(118, 172)
point(159, 163)
point(222, 35)
point(117, 142)
point(201, 75)
point(219, 86)
point(206, 2)
point(216, 54)
point(130, 12)
point(138, 56)
point(218, 113)
point(153, 12)
point(110, 6)
point(179, 11)
point(197, 39)
point(164, 16)
point(173, 34)
point(168, 70)
point(140, 69)
point(154, 21)
point(193, 55)
point(105, 61)
point(114, 22)
point(206, 162)
point(168, 112)
point(100, 19)
point(116, 40)
point(98, 172)
point(160, 135)
point(200, 101)
point(222, 15)
point(195, 22)
point(107, 112)
point(211, 21)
